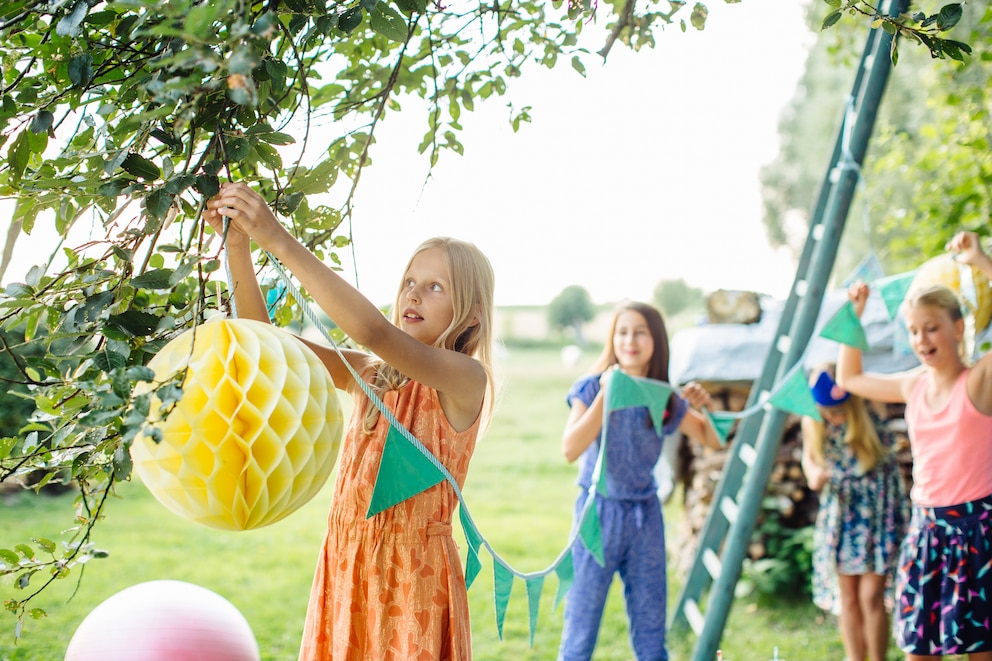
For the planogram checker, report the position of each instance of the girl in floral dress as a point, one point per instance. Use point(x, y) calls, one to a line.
point(849, 458)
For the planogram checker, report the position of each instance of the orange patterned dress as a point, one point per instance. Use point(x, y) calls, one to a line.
point(392, 587)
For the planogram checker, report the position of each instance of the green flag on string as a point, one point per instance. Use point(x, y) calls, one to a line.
point(722, 423)
point(503, 584)
point(846, 328)
point(628, 391)
point(590, 533)
point(624, 391)
point(793, 395)
point(404, 471)
point(566, 576)
point(474, 540)
point(534, 586)
point(893, 290)
point(472, 567)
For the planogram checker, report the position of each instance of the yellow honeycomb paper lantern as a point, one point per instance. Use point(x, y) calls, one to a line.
point(967, 281)
point(255, 434)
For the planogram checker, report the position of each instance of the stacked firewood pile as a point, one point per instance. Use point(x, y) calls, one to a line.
point(699, 470)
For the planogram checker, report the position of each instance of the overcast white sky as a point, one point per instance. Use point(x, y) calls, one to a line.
point(645, 170)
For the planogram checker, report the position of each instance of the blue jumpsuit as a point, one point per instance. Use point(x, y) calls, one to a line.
point(632, 531)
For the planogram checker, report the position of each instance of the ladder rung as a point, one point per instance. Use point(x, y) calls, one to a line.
point(729, 509)
point(712, 563)
point(693, 616)
point(748, 454)
point(783, 343)
point(801, 287)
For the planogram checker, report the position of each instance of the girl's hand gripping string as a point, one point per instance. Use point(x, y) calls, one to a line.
point(250, 217)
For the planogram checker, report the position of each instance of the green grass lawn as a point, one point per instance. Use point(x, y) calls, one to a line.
point(520, 492)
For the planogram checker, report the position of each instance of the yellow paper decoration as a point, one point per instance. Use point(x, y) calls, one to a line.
point(256, 433)
point(976, 293)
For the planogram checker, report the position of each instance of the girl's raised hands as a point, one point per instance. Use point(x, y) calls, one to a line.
point(249, 214)
point(857, 293)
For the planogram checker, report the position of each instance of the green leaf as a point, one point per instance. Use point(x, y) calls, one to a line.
point(200, 19)
point(236, 149)
point(107, 361)
point(9, 558)
point(140, 166)
point(699, 16)
point(157, 205)
point(831, 19)
point(81, 69)
point(19, 290)
point(42, 122)
point(350, 19)
point(154, 279)
point(412, 6)
point(71, 22)
point(388, 22)
point(949, 16)
point(122, 463)
point(134, 322)
point(207, 185)
point(277, 138)
point(18, 155)
point(46, 545)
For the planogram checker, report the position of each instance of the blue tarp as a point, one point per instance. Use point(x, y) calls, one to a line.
point(737, 352)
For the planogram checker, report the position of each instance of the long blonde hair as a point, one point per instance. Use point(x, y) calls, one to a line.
point(471, 328)
point(861, 434)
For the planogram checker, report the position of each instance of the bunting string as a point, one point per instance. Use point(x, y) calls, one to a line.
point(407, 467)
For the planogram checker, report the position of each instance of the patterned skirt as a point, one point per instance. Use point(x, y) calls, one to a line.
point(944, 582)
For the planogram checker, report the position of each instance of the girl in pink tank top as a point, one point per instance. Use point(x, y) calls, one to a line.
point(944, 586)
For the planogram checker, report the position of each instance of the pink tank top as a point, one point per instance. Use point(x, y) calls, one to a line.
point(952, 447)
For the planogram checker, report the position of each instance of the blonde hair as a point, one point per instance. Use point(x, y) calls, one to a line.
point(941, 298)
point(471, 328)
point(861, 434)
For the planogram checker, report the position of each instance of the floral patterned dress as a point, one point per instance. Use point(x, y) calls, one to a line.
point(862, 517)
point(391, 587)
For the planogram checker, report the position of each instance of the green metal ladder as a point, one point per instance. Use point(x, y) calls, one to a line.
point(726, 533)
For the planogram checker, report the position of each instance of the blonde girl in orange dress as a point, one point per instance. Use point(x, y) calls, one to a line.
point(389, 587)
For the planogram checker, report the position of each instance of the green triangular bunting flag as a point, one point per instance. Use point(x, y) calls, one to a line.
point(893, 290)
point(566, 576)
point(503, 583)
point(472, 535)
point(404, 471)
point(590, 532)
point(628, 392)
point(793, 395)
point(472, 567)
point(534, 587)
point(846, 328)
point(474, 540)
point(722, 423)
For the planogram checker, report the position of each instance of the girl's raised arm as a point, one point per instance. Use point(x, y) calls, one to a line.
point(969, 250)
point(460, 379)
point(250, 303)
point(850, 372)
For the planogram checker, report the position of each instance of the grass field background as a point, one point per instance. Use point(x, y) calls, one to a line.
point(520, 492)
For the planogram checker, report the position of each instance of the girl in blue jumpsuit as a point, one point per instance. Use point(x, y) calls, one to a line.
point(632, 530)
